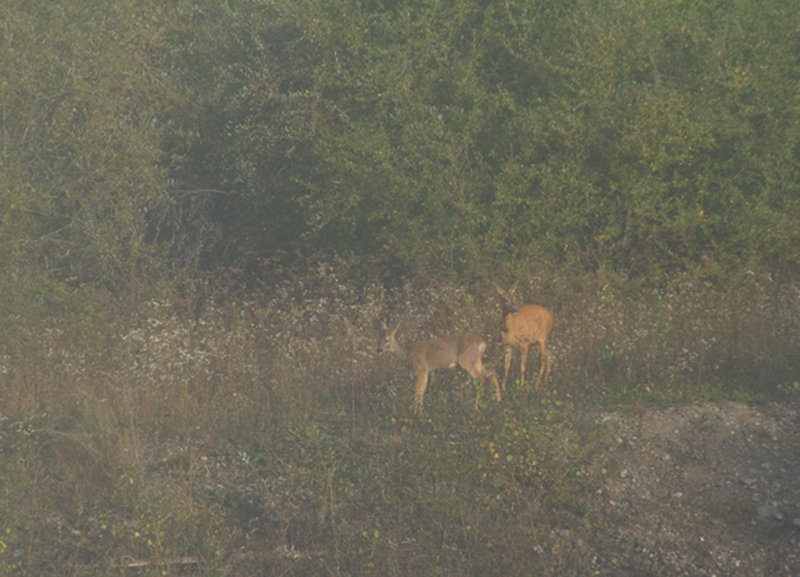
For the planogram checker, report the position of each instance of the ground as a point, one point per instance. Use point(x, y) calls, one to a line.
point(700, 489)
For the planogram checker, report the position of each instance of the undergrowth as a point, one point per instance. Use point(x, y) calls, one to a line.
point(265, 435)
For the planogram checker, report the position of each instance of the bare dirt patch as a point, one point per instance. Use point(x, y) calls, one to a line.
point(701, 489)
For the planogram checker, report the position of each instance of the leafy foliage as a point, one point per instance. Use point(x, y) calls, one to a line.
point(82, 134)
point(643, 137)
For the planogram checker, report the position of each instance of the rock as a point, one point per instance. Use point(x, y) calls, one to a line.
point(765, 511)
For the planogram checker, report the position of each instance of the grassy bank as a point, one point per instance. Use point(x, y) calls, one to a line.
point(264, 434)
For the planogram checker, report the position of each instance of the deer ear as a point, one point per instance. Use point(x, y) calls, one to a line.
point(385, 328)
point(513, 287)
point(397, 327)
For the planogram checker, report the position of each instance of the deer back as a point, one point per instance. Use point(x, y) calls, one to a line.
point(446, 352)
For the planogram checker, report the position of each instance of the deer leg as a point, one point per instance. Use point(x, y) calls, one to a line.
point(545, 369)
point(483, 372)
point(542, 367)
point(479, 372)
point(493, 376)
point(523, 350)
point(507, 363)
point(475, 371)
point(419, 390)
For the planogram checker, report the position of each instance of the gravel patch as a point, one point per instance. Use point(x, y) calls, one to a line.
point(701, 489)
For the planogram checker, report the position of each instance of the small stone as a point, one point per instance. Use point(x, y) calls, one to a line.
point(765, 511)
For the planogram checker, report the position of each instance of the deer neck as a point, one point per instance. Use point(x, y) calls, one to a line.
point(399, 349)
point(507, 312)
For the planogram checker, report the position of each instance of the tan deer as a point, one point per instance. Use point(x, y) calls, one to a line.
point(522, 326)
point(442, 353)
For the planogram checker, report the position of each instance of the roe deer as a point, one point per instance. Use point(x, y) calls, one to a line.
point(442, 353)
point(522, 326)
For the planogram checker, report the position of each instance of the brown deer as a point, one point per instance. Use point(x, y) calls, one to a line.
point(442, 353)
point(522, 326)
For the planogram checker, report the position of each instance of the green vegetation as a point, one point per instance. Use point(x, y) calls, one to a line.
point(643, 137)
point(206, 209)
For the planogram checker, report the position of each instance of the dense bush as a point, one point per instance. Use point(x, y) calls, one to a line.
point(642, 137)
